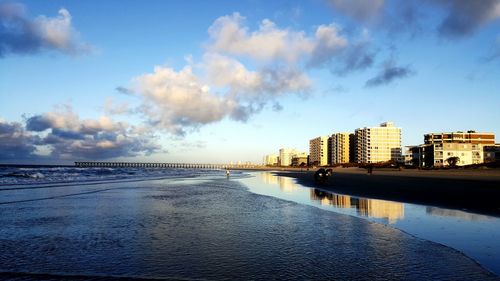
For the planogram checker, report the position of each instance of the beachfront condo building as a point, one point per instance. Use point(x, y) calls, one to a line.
point(271, 160)
point(378, 144)
point(460, 137)
point(318, 151)
point(339, 147)
point(446, 154)
point(300, 159)
point(453, 148)
point(286, 155)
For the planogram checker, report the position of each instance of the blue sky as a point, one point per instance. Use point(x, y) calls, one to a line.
point(221, 81)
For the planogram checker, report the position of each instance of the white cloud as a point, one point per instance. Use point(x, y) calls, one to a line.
point(229, 35)
point(173, 100)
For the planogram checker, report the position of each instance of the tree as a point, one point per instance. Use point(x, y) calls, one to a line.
point(453, 161)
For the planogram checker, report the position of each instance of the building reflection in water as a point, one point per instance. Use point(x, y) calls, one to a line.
point(392, 211)
point(435, 211)
point(286, 184)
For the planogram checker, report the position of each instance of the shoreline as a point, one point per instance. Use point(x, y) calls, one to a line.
point(476, 191)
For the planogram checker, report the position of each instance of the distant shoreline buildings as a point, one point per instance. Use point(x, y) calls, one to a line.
point(382, 144)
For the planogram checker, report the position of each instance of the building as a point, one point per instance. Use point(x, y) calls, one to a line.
point(318, 151)
point(286, 155)
point(442, 154)
point(271, 160)
point(456, 148)
point(300, 159)
point(460, 137)
point(339, 148)
point(378, 144)
point(353, 145)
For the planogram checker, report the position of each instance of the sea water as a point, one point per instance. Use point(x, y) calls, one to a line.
point(195, 224)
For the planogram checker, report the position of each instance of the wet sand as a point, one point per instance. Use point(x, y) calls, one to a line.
point(472, 190)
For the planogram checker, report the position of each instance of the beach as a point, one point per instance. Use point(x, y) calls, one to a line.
point(202, 227)
point(471, 190)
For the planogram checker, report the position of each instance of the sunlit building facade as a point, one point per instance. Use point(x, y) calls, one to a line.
point(339, 148)
point(286, 155)
point(300, 159)
point(318, 151)
point(271, 160)
point(460, 137)
point(378, 144)
point(454, 148)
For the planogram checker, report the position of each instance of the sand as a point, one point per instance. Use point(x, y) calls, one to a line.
point(470, 190)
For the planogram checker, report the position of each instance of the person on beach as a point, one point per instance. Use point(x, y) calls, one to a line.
point(227, 173)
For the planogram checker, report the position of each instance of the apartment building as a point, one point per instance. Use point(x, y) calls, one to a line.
point(378, 144)
point(439, 154)
point(271, 160)
point(339, 147)
point(300, 159)
point(286, 155)
point(460, 137)
point(318, 151)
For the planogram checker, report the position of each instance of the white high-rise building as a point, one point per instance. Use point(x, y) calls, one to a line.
point(339, 148)
point(271, 160)
point(318, 151)
point(378, 144)
point(286, 155)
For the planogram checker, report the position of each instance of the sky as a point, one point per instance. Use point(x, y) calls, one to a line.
point(229, 81)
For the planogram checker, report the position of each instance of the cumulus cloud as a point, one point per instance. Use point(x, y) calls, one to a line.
point(389, 73)
point(21, 35)
point(229, 35)
point(180, 101)
point(70, 137)
point(465, 17)
point(363, 10)
point(15, 142)
point(269, 43)
point(174, 100)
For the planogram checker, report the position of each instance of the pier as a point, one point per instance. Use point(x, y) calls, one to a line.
point(95, 164)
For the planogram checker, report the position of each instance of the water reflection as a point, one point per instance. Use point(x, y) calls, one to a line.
point(392, 211)
point(453, 213)
point(286, 184)
point(475, 235)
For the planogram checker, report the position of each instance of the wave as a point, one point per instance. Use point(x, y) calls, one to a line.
point(15, 176)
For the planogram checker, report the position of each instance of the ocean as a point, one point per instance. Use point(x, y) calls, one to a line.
point(66, 223)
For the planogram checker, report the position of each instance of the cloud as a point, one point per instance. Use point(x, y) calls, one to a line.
point(465, 17)
point(70, 137)
point(111, 107)
point(269, 43)
point(228, 35)
point(358, 56)
point(20, 35)
point(176, 100)
point(389, 73)
point(362, 10)
point(277, 107)
point(15, 142)
point(328, 43)
point(180, 101)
